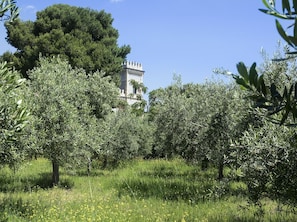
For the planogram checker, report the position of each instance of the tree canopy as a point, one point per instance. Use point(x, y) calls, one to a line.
point(65, 123)
point(13, 116)
point(85, 37)
point(197, 121)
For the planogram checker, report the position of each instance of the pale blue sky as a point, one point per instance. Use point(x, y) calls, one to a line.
point(186, 37)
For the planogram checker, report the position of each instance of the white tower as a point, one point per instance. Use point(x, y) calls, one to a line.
point(132, 71)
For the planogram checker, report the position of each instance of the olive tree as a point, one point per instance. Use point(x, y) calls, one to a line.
point(13, 112)
point(13, 115)
point(266, 151)
point(169, 110)
point(268, 160)
point(189, 124)
point(125, 136)
point(65, 105)
point(271, 168)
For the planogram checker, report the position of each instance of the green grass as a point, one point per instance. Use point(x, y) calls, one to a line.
point(154, 190)
point(169, 181)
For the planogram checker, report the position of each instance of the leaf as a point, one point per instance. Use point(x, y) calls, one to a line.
point(253, 77)
point(19, 102)
point(293, 40)
point(294, 111)
point(275, 109)
point(264, 11)
point(295, 5)
point(291, 53)
point(242, 82)
point(280, 60)
point(241, 68)
point(285, 116)
point(274, 93)
point(291, 90)
point(285, 94)
point(266, 4)
point(262, 85)
point(295, 91)
point(286, 6)
point(295, 30)
point(282, 33)
point(260, 101)
point(278, 15)
point(23, 113)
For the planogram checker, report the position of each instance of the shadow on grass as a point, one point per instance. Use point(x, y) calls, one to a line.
point(13, 183)
point(44, 181)
point(173, 190)
point(14, 206)
point(93, 173)
point(170, 182)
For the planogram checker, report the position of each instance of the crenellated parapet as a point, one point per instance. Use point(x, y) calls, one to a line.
point(132, 72)
point(132, 65)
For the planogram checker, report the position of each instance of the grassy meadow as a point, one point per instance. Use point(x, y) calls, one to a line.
point(142, 190)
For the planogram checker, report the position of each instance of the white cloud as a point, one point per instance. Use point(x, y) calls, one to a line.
point(115, 1)
point(28, 12)
point(30, 7)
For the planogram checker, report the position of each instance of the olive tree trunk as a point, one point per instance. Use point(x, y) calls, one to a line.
point(56, 174)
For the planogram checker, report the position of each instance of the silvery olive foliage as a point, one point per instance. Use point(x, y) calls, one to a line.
point(125, 136)
point(280, 103)
point(267, 159)
point(196, 121)
point(67, 105)
point(13, 116)
point(268, 153)
point(13, 112)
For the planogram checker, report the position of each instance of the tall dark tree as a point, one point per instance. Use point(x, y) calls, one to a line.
point(85, 37)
